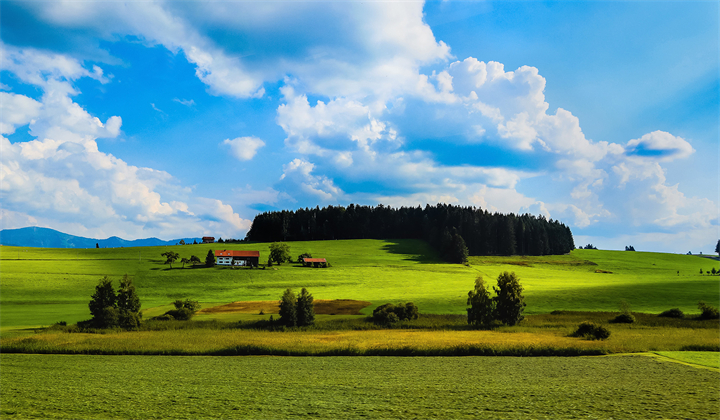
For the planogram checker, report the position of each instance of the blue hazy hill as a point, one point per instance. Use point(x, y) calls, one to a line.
point(39, 237)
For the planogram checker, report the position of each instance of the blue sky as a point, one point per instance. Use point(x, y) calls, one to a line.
point(175, 119)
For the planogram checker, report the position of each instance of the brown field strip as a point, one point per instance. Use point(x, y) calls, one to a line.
point(322, 307)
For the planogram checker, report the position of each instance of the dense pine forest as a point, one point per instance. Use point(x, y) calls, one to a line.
point(443, 226)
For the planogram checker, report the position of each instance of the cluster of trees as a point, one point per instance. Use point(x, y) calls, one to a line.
point(184, 310)
point(506, 306)
point(115, 310)
point(482, 232)
point(630, 248)
point(171, 257)
point(590, 246)
point(390, 314)
point(297, 311)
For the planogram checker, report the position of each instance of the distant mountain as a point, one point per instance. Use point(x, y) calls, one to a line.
point(48, 238)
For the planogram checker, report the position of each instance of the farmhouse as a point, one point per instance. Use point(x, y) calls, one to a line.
point(238, 258)
point(315, 262)
point(208, 239)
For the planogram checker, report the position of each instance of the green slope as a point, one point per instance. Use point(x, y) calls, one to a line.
point(43, 286)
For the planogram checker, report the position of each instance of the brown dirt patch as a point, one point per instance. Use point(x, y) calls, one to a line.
point(322, 307)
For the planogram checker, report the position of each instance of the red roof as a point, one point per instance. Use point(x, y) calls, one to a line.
point(226, 253)
point(314, 260)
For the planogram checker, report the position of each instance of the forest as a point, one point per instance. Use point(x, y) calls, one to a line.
point(483, 233)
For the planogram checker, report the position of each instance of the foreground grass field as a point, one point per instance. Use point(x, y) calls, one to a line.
point(80, 387)
point(43, 286)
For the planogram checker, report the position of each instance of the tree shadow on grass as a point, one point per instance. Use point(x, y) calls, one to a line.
point(413, 250)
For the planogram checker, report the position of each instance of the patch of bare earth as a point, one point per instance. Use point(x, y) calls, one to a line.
point(322, 307)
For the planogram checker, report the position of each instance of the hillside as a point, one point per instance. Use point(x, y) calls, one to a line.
point(43, 286)
point(39, 237)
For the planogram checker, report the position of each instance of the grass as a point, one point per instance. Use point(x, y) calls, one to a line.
point(90, 387)
point(43, 286)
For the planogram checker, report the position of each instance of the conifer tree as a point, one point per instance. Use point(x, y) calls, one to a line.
point(305, 308)
point(482, 307)
point(210, 259)
point(288, 309)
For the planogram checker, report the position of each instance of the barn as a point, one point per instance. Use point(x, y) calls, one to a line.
point(238, 258)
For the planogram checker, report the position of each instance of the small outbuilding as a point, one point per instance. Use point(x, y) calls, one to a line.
point(238, 258)
point(208, 239)
point(315, 262)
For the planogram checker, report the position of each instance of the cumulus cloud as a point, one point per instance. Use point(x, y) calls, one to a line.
point(61, 177)
point(659, 145)
point(298, 173)
point(244, 148)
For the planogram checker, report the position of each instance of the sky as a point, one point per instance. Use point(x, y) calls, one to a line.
point(181, 119)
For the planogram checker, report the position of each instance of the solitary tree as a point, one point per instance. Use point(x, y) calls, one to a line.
point(509, 302)
point(97, 245)
point(717, 247)
point(194, 260)
point(171, 257)
point(185, 261)
point(305, 308)
point(280, 252)
point(288, 309)
point(482, 307)
point(210, 259)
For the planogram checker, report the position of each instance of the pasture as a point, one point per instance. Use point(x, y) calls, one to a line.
point(90, 387)
point(42, 286)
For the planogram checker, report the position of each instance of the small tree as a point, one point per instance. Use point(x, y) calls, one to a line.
point(97, 245)
point(482, 307)
point(104, 297)
point(288, 309)
point(127, 298)
point(717, 247)
point(509, 302)
point(185, 261)
point(280, 252)
point(457, 251)
point(210, 259)
point(171, 257)
point(302, 256)
point(305, 308)
point(195, 260)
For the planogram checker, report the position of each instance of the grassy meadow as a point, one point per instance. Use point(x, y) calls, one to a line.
point(91, 387)
point(42, 286)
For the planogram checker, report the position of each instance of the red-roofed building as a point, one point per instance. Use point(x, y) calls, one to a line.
point(238, 258)
point(208, 239)
point(315, 262)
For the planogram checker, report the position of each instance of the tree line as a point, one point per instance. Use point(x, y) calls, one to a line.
point(482, 232)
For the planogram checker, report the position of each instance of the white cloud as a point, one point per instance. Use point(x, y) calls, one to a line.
point(298, 173)
point(62, 179)
point(244, 148)
point(659, 145)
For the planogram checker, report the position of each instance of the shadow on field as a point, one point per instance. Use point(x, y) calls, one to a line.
point(413, 250)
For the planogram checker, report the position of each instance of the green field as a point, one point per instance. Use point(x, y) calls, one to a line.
point(42, 286)
point(56, 386)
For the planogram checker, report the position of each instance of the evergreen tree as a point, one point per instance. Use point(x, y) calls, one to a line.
point(457, 252)
point(717, 247)
point(288, 309)
point(305, 308)
point(210, 259)
point(509, 302)
point(102, 304)
point(127, 298)
point(482, 307)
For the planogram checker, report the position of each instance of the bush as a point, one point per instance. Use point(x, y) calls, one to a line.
point(673, 313)
point(191, 305)
point(591, 331)
point(164, 317)
point(389, 314)
point(182, 314)
point(625, 318)
point(129, 320)
point(707, 311)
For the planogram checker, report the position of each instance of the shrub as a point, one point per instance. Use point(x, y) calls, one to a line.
point(673, 313)
point(128, 320)
point(164, 317)
point(182, 314)
point(591, 331)
point(191, 305)
point(626, 318)
point(707, 311)
point(388, 313)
